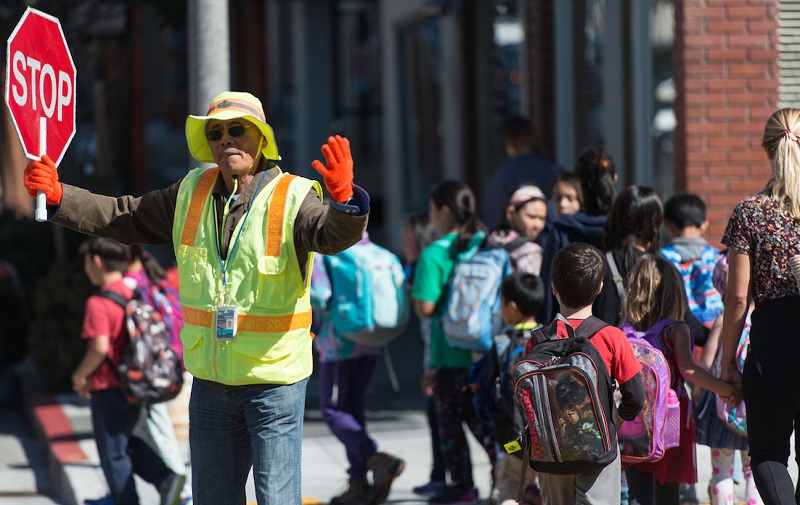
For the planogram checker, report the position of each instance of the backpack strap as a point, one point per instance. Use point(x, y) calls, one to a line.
point(588, 328)
point(615, 275)
point(114, 297)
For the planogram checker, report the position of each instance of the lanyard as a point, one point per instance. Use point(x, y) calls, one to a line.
point(223, 264)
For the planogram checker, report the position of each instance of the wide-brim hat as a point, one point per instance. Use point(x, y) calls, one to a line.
point(225, 106)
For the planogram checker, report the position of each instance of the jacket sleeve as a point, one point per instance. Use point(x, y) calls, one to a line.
point(633, 397)
point(131, 220)
point(325, 229)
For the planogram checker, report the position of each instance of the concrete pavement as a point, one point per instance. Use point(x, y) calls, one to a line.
point(397, 423)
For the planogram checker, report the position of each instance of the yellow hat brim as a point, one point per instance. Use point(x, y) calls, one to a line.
point(198, 144)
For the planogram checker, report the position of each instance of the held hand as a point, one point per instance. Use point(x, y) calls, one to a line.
point(338, 175)
point(731, 374)
point(81, 386)
point(43, 176)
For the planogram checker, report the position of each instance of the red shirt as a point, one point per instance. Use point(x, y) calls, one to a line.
point(104, 317)
point(612, 345)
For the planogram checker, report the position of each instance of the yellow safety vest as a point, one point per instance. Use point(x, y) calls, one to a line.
point(264, 280)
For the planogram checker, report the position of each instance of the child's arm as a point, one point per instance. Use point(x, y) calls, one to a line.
point(95, 355)
point(693, 372)
point(633, 397)
point(709, 351)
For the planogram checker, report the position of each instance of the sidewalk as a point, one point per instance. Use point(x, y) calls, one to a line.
point(63, 423)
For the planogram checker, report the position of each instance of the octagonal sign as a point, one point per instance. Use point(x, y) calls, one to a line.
point(40, 85)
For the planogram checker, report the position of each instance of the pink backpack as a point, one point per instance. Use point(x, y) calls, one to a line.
point(657, 427)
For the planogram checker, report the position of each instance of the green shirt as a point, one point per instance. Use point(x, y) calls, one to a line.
point(431, 278)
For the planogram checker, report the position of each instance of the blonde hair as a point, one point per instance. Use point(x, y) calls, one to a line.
point(655, 292)
point(782, 143)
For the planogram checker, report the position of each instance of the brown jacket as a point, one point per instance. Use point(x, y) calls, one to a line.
point(148, 219)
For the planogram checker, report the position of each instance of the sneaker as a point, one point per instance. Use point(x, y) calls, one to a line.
point(533, 495)
point(385, 469)
point(453, 495)
point(106, 500)
point(170, 489)
point(358, 492)
point(432, 488)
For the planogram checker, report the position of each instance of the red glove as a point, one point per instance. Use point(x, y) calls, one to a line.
point(43, 176)
point(338, 174)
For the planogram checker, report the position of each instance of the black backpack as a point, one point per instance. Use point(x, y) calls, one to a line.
point(150, 370)
point(566, 397)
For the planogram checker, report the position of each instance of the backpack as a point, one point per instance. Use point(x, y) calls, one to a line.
point(165, 298)
point(735, 418)
point(704, 300)
point(566, 397)
point(657, 426)
point(369, 301)
point(150, 370)
point(471, 316)
point(491, 378)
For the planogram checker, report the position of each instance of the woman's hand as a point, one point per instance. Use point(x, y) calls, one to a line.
point(733, 376)
point(425, 383)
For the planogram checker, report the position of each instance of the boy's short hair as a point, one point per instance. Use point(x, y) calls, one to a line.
point(524, 289)
point(577, 272)
point(685, 210)
point(115, 256)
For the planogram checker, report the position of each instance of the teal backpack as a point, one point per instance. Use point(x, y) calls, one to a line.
point(369, 301)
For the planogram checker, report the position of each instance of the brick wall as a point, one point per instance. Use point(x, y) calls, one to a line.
point(726, 76)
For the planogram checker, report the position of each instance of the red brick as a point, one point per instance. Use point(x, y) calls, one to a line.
point(748, 186)
point(716, 69)
point(763, 84)
point(721, 171)
point(753, 12)
point(761, 25)
point(755, 55)
point(725, 84)
point(692, 12)
point(747, 127)
point(734, 113)
point(748, 69)
point(707, 41)
point(711, 157)
point(730, 199)
point(712, 55)
point(695, 55)
point(726, 141)
point(726, 26)
point(745, 99)
point(694, 84)
point(760, 41)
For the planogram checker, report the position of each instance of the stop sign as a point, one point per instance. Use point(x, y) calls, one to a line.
point(40, 85)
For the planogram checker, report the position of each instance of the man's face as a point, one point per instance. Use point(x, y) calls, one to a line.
point(236, 151)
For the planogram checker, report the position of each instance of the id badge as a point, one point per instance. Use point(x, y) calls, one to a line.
point(226, 322)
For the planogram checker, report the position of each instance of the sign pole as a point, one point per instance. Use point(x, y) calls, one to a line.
point(41, 199)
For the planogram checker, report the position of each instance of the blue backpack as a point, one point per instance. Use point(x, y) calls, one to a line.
point(704, 300)
point(471, 316)
point(369, 301)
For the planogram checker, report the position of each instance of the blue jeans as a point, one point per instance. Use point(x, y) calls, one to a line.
point(121, 453)
point(234, 428)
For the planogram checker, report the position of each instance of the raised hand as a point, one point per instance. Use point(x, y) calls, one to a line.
point(338, 174)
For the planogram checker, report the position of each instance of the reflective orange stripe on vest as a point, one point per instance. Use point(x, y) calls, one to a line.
point(246, 322)
point(277, 206)
point(197, 204)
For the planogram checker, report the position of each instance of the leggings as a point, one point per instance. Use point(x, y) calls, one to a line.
point(721, 489)
point(769, 440)
point(644, 489)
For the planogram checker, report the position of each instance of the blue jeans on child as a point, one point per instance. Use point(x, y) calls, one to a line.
point(122, 454)
point(343, 396)
point(234, 428)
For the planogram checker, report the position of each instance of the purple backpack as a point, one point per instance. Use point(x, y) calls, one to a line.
point(657, 427)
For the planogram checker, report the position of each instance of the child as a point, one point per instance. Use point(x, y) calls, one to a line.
point(345, 372)
point(453, 213)
point(523, 221)
point(685, 217)
point(155, 427)
point(567, 198)
point(418, 233)
point(113, 416)
point(656, 306)
point(710, 429)
point(577, 272)
point(521, 295)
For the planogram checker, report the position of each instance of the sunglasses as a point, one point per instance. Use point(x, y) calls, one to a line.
point(236, 130)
